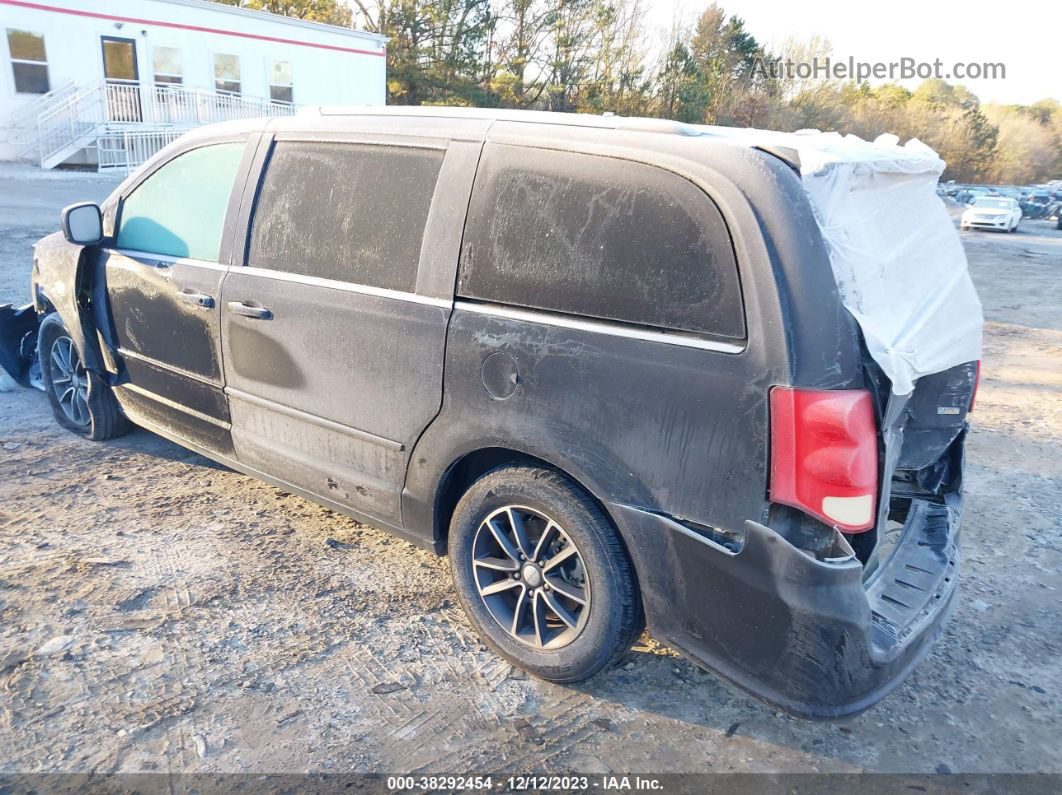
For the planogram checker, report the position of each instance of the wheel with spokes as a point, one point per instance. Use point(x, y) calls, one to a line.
point(542, 573)
point(531, 577)
point(81, 401)
point(69, 381)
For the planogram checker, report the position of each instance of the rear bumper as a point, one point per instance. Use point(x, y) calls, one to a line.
point(805, 635)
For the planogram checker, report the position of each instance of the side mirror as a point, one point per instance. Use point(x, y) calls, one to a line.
point(82, 223)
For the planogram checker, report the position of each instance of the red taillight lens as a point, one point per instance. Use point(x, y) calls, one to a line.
point(977, 383)
point(824, 455)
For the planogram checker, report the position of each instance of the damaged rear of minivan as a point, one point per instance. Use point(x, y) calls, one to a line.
point(827, 604)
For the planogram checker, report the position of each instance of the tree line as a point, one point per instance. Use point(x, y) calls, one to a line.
point(595, 56)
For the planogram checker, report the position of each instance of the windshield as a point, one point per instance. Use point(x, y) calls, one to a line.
point(996, 204)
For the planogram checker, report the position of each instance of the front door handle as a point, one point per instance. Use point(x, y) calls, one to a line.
point(199, 299)
point(245, 309)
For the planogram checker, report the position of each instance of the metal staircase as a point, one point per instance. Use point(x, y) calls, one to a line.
point(125, 123)
point(22, 126)
point(68, 125)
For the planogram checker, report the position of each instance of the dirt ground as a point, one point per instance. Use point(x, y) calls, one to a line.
point(159, 613)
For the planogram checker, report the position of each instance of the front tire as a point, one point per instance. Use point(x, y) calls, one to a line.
point(80, 400)
point(543, 575)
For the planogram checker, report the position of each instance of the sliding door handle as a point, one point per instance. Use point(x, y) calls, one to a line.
point(245, 309)
point(199, 299)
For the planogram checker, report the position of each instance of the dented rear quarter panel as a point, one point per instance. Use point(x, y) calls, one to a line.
point(661, 427)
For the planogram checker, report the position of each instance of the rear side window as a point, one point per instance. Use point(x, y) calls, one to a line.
point(348, 212)
point(599, 237)
point(180, 209)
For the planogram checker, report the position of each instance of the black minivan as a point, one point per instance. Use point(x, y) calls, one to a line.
point(600, 362)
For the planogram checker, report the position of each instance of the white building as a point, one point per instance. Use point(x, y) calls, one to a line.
point(110, 83)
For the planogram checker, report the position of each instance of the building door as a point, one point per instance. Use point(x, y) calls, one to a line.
point(122, 78)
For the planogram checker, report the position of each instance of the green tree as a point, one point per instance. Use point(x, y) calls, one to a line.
point(618, 81)
point(590, 56)
point(1028, 146)
point(726, 55)
point(682, 93)
point(571, 44)
point(332, 12)
point(522, 52)
point(438, 49)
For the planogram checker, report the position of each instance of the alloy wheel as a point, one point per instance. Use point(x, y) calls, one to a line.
point(69, 381)
point(531, 577)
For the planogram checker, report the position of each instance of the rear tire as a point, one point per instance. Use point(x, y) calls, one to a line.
point(80, 400)
point(570, 606)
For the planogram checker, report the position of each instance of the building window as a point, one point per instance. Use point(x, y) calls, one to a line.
point(280, 82)
point(28, 62)
point(227, 73)
point(168, 71)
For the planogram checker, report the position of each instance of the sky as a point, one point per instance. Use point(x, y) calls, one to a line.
point(1024, 35)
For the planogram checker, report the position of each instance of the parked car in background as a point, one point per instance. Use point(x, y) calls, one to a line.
point(992, 212)
point(606, 368)
point(1037, 205)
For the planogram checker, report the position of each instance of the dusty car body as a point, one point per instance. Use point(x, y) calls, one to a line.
point(682, 407)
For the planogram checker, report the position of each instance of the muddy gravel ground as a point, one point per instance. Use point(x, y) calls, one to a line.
point(161, 613)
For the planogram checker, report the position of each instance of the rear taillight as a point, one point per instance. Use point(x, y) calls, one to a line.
point(977, 383)
point(824, 455)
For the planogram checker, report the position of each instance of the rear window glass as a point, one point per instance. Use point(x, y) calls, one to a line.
point(346, 212)
point(602, 238)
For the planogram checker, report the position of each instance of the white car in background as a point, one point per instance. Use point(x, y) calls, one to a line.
point(992, 212)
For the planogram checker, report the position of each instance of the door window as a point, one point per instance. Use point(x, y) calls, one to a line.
point(179, 211)
point(119, 60)
point(29, 63)
point(599, 237)
point(347, 212)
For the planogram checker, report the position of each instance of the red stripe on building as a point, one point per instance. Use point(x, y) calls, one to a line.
point(178, 26)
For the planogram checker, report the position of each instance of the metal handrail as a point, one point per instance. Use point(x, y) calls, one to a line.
point(78, 115)
point(75, 118)
point(26, 116)
point(128, 148)
point(169, 104)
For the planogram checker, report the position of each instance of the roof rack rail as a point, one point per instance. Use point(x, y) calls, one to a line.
point(605, 120)
point(666, 126)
